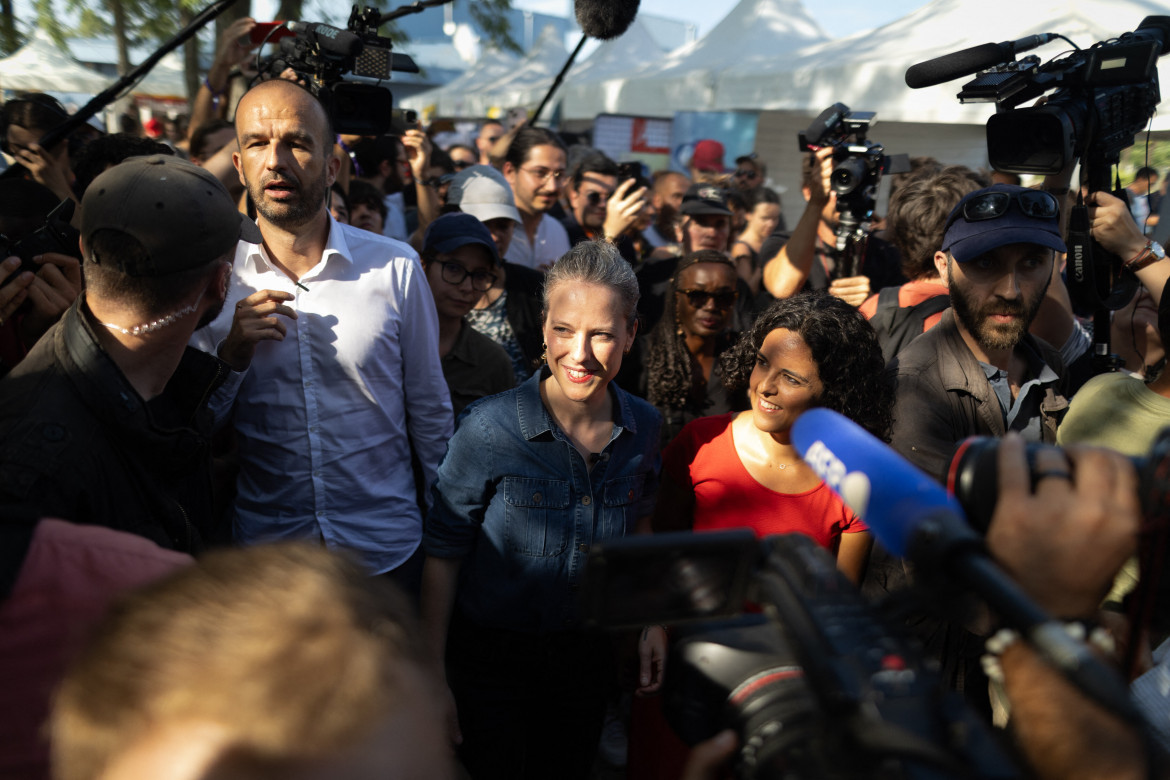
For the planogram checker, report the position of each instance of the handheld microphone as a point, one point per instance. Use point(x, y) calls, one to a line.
point(972, 60)
point(334, 40)
point(915, 518)
point(605, 19)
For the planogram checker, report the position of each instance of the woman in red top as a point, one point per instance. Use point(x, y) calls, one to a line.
point(741, 470)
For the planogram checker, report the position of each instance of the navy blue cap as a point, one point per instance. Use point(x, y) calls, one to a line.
point(966, 240)
point(451, 231)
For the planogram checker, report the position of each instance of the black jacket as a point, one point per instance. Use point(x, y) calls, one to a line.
point(77, 441)
point(942, 396)
point(525, 287)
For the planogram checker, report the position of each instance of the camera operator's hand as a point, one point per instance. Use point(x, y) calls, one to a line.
point(651, 660)
point(710, 758)
point(418, 152)
point(15, 292)
point(254, 321)
point(1064, 541)
point(623, 209)
point(235, 48)
point(854, 290)
point(49, 168)
point(1112, 225)
point(53, 290)
point(820, 189)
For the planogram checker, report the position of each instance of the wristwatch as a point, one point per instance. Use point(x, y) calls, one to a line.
point(1151, 253)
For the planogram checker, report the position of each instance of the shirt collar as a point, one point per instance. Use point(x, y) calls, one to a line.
point(535, 419)
point(255, 257)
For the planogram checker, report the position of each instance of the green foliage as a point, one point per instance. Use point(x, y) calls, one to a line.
point(1136, 156)
point(147, 21)
point(491, 16)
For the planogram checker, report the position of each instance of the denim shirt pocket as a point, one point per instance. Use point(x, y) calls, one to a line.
point(537, 520)
point(622, 497)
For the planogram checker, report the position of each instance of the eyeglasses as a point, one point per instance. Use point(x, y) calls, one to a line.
point(438, 181)
point(595, 197)
point(746, 173)
point(698, 298)
point(544, 174)
point(990, 205)
point(453, 273)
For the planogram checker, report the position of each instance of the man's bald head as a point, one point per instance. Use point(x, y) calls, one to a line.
point(297, 96)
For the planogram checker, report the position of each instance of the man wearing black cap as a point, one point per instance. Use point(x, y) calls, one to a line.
point(979, 371)
point(105, 421)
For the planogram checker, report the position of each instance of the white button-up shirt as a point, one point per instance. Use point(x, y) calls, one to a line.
point(551, 242)
point(326, 418)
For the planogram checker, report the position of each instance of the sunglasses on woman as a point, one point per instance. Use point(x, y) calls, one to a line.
point(698, 298)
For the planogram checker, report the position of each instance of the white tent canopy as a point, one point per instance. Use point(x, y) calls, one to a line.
point(686, 79)
point(166, 79)
point(866, 71)
point(450, 99)
point(41, 66)
point(540, 66)
point(582, 95)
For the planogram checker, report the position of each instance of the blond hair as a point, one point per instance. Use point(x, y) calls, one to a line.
point(291, 648)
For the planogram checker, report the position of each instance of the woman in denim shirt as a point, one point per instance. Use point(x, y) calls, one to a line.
point(532, 478)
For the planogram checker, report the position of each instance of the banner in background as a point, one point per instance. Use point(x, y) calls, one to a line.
point(736, 130)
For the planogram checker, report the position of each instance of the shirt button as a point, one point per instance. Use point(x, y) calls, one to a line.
point(537, 498)
point(309, 383)
point(587, 501)
point(317, 472)
point(630, 495)
point(583, 547)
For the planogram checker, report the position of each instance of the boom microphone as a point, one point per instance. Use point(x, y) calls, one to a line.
point(914, 517)
point(605, 19)
point(972, 60)
point(334, 40)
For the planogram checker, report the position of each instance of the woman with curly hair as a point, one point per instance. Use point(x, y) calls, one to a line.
point(742, 470)
point(681, 374)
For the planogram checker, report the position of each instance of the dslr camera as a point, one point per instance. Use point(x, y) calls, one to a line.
point(858, 165)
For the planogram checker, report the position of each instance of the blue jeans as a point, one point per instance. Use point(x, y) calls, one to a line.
point(530, 705)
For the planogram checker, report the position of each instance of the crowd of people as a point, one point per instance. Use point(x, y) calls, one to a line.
point(306, 438)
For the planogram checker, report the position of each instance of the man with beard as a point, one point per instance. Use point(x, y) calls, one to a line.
point(106, 421)
point(979, 372)
point(334, 348)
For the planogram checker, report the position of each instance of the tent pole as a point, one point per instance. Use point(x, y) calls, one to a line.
point(557, 81)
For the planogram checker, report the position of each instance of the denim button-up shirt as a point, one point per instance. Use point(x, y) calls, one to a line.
point(515, 500)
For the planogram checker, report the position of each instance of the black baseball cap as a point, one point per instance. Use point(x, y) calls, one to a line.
point(181, 214)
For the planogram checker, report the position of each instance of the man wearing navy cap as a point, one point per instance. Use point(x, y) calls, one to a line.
point(979, 372)
point(462, 263)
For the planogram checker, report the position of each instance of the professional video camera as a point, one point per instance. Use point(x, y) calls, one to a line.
point(858, 167)
point(330, 60)
point(1098, 99)
point(818, 687)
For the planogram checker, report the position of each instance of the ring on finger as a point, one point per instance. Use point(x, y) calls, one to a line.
point(1058, 473)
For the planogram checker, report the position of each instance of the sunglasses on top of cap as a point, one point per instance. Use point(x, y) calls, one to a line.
point(991, 205)
point(698, 298)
